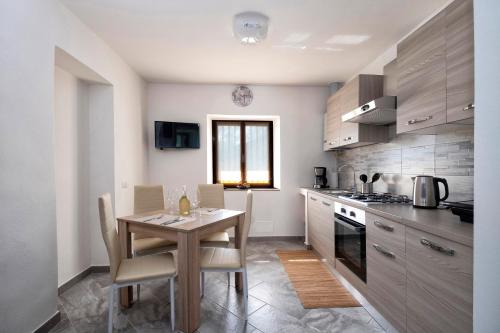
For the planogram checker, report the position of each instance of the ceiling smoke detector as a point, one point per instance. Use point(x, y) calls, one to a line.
point(250, 27)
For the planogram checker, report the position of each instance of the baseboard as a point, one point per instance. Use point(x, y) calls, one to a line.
point(99, 269)
point(275, 238)
point(80, 276)
point(49, 324)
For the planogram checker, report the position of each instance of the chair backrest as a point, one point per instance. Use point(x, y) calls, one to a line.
point(147, 198)
point(211, 195)
point(246, 228)
point(109, 233)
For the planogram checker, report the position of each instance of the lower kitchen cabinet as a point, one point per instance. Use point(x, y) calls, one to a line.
point(386, 269)
point(320, 216)
point(439, 284)
point(417, 281)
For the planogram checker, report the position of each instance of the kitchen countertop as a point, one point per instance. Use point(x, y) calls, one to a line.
point(439, 222)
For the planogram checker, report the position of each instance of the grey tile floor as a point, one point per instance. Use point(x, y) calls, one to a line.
point(273, 303)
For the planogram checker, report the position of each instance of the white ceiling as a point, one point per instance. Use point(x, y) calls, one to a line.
point(192, 41)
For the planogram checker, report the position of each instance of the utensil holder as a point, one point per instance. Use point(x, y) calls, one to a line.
point(367, 188)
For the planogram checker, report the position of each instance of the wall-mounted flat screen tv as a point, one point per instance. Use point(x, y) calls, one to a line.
point(176, 135)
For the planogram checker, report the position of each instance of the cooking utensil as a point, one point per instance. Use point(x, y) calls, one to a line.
point(363, 178)
point(375, 177)
point(426, 191)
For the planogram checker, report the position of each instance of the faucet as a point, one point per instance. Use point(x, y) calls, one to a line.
point(354, 187)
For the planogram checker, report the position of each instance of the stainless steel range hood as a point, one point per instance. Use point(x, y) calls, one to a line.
point(381, 111)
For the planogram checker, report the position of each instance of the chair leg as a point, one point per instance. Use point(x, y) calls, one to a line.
point(202, 284)
point(245, 292)
point(110, 306)
point(138, 292)
point(172, 303)
point(228, 273)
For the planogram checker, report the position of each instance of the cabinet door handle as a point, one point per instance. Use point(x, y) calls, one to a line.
point(384, 251)
point(469, 107)
point(383, 226)
point(437, 247)
point(349, 138)
point(326, 204)
point(313, 199)
point(418, 120)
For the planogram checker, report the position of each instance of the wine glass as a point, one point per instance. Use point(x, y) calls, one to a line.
point(173, 200)
point(195, 202)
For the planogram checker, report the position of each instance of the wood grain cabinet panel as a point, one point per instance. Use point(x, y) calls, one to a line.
point(312, 219)
point(354, 94)
point(325, 132)
point(439, 284)
point(422, 77)
point(321, 226)
point(460, 60)
point(350, 92)
point(386, 269)
point(332, 123)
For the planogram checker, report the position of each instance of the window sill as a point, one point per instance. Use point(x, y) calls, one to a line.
point(231, 189)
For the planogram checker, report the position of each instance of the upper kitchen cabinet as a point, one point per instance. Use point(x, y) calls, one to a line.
point(355, 93)
point(436, 72)
point(460, 61)
point(332, 123)
point(361, 90)
point(422, 77)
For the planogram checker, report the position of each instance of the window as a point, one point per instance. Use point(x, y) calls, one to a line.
point(242, 153)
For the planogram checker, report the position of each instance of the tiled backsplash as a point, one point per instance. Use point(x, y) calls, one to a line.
point(449, 156)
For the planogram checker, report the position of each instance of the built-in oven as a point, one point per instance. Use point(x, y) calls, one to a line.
point(350, 238)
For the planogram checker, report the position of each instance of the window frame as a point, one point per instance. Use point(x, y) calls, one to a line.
point(243, 123)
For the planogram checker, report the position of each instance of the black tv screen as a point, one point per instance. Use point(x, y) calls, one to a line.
point(176, 135)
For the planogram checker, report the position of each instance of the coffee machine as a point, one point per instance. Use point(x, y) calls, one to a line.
point(320, 180)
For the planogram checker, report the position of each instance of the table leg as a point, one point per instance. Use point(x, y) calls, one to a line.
point(188, 266)
point(126, 293)
point(238, 230)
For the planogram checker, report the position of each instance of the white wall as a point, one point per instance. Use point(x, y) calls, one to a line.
point(28, 258)
point(487, 157)
point(101, 163)
point(278, 213)
point(71, 174)
point(29, 32)
point(128, 88)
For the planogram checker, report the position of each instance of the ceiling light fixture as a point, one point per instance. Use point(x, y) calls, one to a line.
point(250, 27)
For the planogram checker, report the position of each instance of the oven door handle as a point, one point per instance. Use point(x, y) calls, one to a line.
point(349, 226)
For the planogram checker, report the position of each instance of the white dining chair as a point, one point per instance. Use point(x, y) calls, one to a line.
point(212, 196)
point(129, 272)
point(149, 198)
point(217, 259)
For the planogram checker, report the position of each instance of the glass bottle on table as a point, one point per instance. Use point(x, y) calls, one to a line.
point(184, 204)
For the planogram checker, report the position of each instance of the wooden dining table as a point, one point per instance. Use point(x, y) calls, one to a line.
point(187, 234)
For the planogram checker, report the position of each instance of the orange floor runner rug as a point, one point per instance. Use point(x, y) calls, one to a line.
point(314, 284)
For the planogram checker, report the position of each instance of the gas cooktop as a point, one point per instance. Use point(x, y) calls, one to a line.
point(376, 198)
